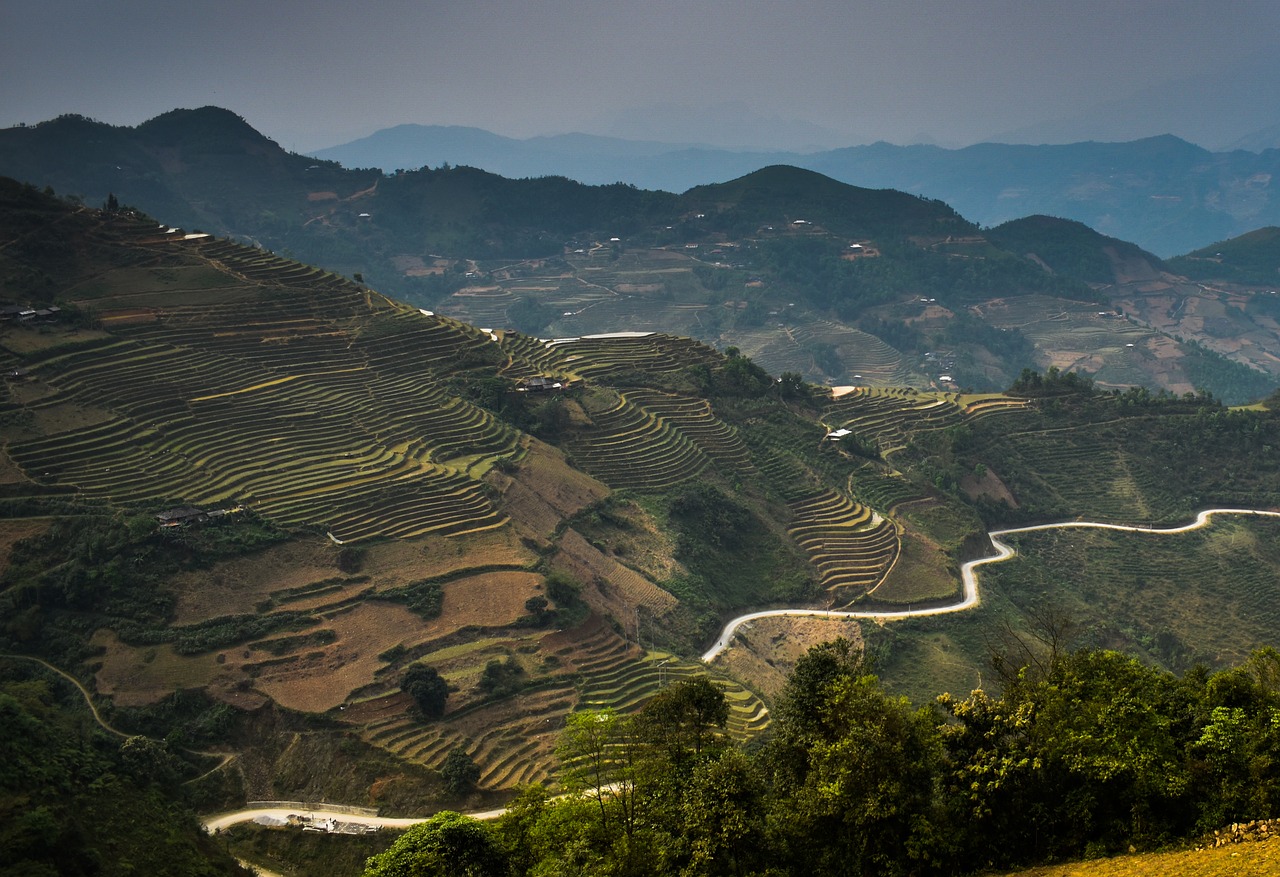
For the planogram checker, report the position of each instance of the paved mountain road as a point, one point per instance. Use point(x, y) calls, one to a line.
point(968, 575)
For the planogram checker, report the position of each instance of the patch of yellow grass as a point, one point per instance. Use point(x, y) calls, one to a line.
point(141, 676)
point(1261, 859)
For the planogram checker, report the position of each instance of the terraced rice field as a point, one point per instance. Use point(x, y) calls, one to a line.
point(851, 545)
point(886, 417)
point(628, 447)
point(315, 405)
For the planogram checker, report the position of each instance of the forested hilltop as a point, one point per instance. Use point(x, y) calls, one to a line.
point(309, 543)
point(839, 283)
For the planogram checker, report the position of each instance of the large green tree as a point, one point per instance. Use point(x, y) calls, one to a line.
point(446, 845)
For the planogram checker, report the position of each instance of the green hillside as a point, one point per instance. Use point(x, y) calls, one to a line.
point(230, 473)
point(1074, 249)
point(1252, 258)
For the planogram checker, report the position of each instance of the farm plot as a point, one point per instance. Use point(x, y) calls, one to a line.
point(629, 447)
point(276, 407)
point(885, 417)
point(1089, 472)
point(851, 545)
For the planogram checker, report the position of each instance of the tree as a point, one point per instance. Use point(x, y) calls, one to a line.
point(427, 688)
point(722, 817)
point(867, 804)
point(446, 845)
point(680, 720)
point(460, 771)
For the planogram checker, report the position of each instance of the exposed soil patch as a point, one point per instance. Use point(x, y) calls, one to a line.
point(140, 676)
point(321, 679)
point(50, 419)
point(16, 530)
point(989, 486)
point(238, 586)
point(9, 471)
point(765, 651)
point(397, 562)
point(544, 491)
point(588, 563)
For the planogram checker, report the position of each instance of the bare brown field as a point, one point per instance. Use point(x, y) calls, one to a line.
point(1260, 859)
point(28, 391)
point(989, 486)
point(400, 561)
point(641, 545)
point(545, 490)
point(237, 586)
point(9, 471)
point(322, 678)
point(30, 340)
point(129, 316)
point(766, 650)
point(50, 419)
point(487, 600)
point(140, 676)
point(12, 531)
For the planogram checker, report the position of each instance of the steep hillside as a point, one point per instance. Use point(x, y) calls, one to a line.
point(1074, 249)
point(1162, 192)
point(264, 510)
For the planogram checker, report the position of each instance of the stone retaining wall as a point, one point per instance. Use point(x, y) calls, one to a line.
point(1245, 832)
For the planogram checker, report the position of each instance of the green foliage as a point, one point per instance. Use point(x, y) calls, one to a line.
point(76, 801)
point(502, 678)
point(424, 597)
point(428, 689)
point(1067, 247)
point(1250, 258)
point(1084, 753)
point(460, 771)
point(446, 845)
point(530, 316)
point(682, 718)
point(735, 558)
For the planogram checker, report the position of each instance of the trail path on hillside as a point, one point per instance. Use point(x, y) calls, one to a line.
point(226, 757)
point(968, 575)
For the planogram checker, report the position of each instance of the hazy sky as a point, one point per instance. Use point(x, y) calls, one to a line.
point(314, 74)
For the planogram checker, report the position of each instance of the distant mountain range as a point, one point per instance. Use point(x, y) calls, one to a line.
point(1167, 195)
point(803, 273)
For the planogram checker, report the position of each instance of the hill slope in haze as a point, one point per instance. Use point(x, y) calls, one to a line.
point(841, 284)
point(1168, 195)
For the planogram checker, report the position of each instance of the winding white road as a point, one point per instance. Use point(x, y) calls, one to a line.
point(968, 575)
point(226, 820)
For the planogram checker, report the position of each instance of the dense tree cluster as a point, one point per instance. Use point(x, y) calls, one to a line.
point(1082, 753)
point(75, 800)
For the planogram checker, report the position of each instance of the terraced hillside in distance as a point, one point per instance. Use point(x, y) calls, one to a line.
point(306, 488)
